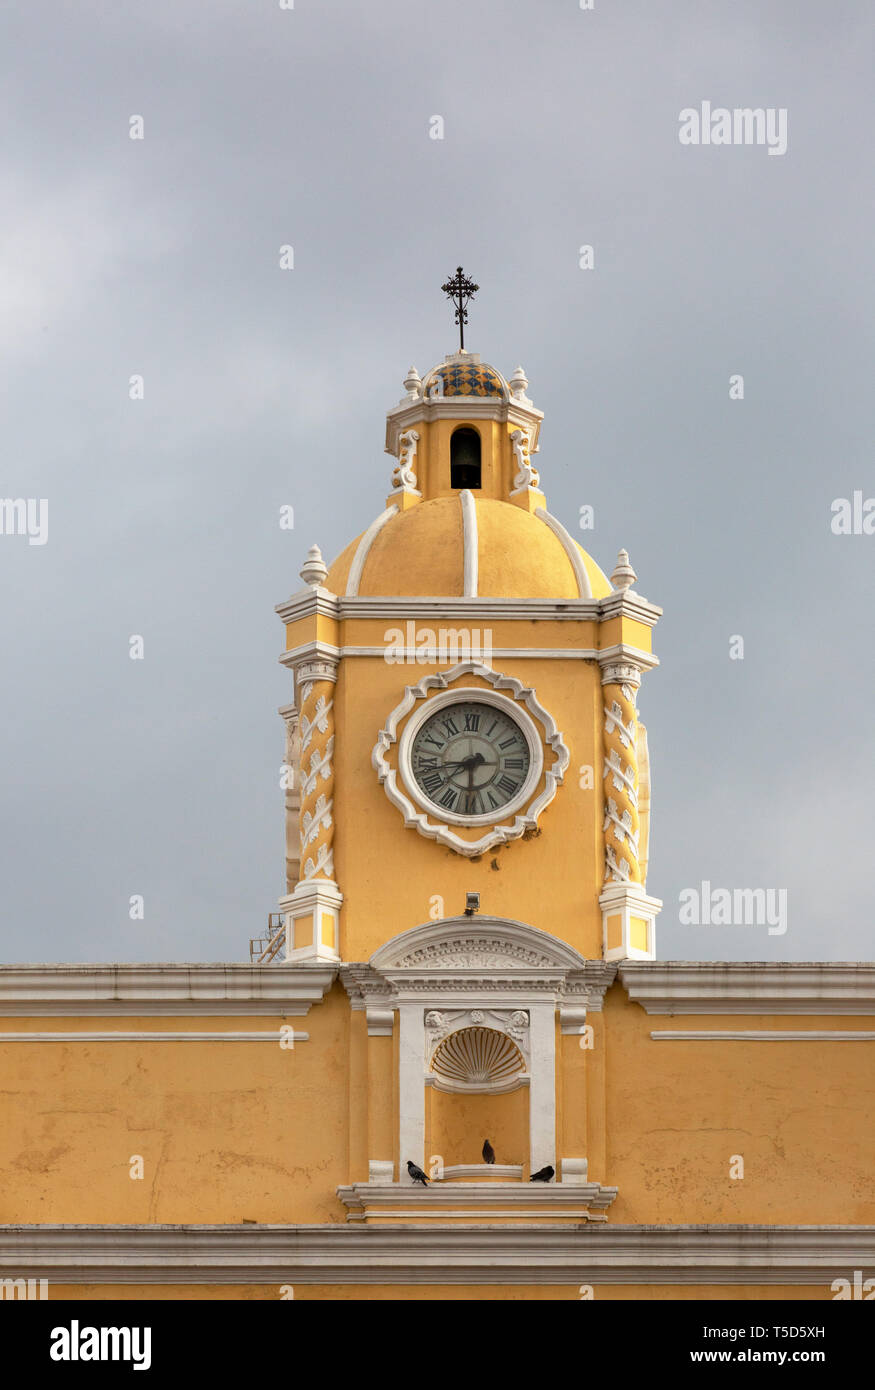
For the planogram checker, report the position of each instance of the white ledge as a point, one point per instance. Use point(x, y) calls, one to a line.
point(161, 989)
point(432, 1254)
point(751, 987)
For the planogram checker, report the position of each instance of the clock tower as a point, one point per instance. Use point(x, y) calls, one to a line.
point(468, 830)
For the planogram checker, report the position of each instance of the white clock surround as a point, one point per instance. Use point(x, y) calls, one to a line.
point(472, 694)
point(520, 704)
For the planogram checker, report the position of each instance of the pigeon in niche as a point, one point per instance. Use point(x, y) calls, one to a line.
point(544, 1174)
point(417, 1174)
point(488, 1152)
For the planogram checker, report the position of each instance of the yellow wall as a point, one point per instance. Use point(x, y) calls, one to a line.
point(228, 1131)
point(799, 1113)
point(390, 892)
point(444, 1293)
point(241, 1130)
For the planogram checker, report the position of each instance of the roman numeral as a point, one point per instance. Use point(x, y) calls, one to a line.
point(449, 798)
point(450, 727)
point(429, 760)
point(472, 803)
point(433, 783)
point(432, 739)
point(508, 742)
point(505, 785)
point(492, 800)
point(472, 723)
point(491, 727)
point(515, 763)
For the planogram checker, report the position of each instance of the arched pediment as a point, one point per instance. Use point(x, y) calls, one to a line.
point(476, 943)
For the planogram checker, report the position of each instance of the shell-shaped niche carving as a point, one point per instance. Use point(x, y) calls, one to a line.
point(477, 1059)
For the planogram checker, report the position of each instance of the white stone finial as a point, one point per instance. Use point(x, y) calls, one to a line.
point(413, 384)
point(518, 383)
point(314, 568)
point(624, 576)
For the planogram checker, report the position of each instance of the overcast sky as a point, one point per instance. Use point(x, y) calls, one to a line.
point(263, 387)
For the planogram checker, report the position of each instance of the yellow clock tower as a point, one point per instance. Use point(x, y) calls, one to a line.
point(469, 841)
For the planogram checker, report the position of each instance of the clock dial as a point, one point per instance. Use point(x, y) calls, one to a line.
point(470, 759)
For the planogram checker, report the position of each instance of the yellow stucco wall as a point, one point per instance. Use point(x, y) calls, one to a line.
point(228, 1131)
point(800, 1114)
point(233, 1131)
point(389, 892)
point(449, 1293)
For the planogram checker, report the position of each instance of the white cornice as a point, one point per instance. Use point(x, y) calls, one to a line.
point(310, 651)
point(392, 606)
point(428, 408)
point(307, 602)
point(624, 603)
point(418, 1254)
point(751, 987)
point(170, 990)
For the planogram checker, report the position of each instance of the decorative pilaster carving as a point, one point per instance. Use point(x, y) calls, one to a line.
point(403, 475)
point(527, 474)
point(621, 827)
point(292, 768)
point(315, 678)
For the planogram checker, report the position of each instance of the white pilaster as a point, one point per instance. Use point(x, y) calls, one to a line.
point(411, 1088)
point(542, 1089)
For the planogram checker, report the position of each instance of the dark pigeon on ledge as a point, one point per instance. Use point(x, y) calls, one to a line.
point(543, 1174)
point(488, 1152)
point(417, 1173)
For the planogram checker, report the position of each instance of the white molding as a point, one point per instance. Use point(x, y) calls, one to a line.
point(624, 653)
point(434, 656)
point(574, 1171)
point(762, 1035)
point(363, 549)
point(381, 1170)
point(338, 1253)
point(584, 588)
point(751, 987)
point(306, 602)
point(380, 1022)
point(524, 1202)
point(459, 944)
point(470, 544)
point(499, 834)
point(119, 1036)
point(323, 652)
point(484, 607)
point(161, 989)
point(626, 603)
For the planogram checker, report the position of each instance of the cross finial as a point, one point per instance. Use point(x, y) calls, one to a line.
point(460, 289)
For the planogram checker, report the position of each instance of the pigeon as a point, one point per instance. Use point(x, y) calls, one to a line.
point(418, 1175)
point(543, 1174)
point(488, 1152)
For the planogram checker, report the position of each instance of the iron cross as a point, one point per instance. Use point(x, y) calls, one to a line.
point(460, 289)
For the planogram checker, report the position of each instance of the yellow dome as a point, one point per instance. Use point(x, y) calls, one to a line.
point(467, 546)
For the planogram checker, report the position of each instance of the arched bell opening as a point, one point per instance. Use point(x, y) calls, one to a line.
point(465, 458)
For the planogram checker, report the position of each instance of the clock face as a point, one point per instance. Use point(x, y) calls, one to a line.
point(470, 759)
